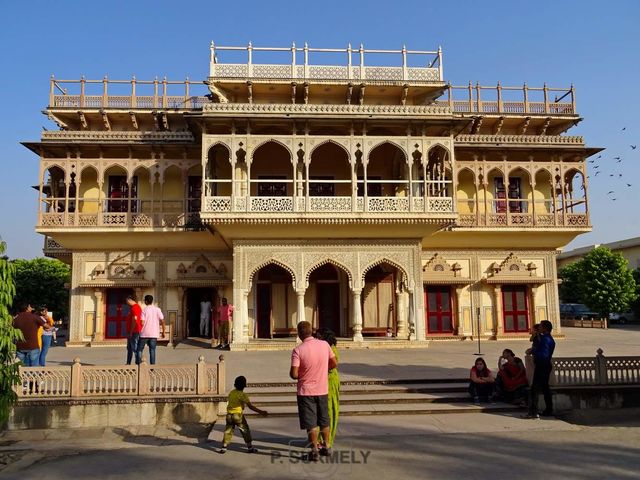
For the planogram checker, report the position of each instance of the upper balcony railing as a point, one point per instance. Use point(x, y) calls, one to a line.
point(431, 73)
point(510, 100)
point(127, 94)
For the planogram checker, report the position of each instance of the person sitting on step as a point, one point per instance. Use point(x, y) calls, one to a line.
point(481, 381)
point(511, 382)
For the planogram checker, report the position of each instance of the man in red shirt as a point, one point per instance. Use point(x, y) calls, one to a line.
point(134, 325)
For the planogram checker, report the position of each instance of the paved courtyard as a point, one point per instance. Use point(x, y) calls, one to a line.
point(439, 360)
point(461, 445)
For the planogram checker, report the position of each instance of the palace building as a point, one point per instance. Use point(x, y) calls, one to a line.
point(362, 197)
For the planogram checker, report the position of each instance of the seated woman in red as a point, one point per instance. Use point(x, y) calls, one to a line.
point(481, 382)
point(511, 384)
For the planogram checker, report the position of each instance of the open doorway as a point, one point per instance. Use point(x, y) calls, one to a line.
point(196, 303)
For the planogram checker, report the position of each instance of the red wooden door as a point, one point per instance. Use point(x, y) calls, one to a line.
point(438, 309)
point(117, 312)
point(515, 308)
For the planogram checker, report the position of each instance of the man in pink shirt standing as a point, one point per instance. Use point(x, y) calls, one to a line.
point(310, 365)
point(225, 317)
point(152, 318)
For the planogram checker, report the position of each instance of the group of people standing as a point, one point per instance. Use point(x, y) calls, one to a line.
point(314, 365)
point(143, 328)
point(511, 383)
point(38, 332)
point(221, 323)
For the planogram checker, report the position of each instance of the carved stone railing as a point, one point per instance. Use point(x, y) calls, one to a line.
point(326, 109)
point(82, 381)
point(523, 220)
point(118, 137)
point(338, 205)
point(591, 371)
point(521, 139)
point(177, 219)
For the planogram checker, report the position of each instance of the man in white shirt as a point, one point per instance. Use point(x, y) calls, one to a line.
point(152, 318)
point(205, 317)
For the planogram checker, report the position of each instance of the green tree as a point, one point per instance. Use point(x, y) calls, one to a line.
point(9, 373)
point(635, 305)
point(41, 281)
point(606, 282)
point(569, 289)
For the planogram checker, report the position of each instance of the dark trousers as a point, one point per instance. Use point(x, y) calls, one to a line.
point(152, 342)
point(540, 384)
point(480, 389)
point(132, 347)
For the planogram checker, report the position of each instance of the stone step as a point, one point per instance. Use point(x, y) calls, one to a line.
point(408, 381)
point(369, 389)
point(398, 409)
point(375, 399)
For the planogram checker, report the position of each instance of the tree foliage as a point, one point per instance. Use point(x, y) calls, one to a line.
point(635, 305)
point(569, 289)
point(41, 281)
point(606, 281)
point(9, 373)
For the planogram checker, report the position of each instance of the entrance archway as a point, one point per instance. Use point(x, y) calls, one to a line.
point(327, 293)
point(379, 300)
point(275, 303)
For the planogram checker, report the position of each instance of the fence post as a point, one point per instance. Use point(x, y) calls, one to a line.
point(19, 387)
point(201, 376)
point(76, 378)
point(601, 368)
point(220, 376)
point(143, 378)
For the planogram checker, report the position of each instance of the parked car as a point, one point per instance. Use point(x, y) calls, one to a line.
point(577, 311)
point(624, 317)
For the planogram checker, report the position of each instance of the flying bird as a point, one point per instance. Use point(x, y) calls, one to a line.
point(620, 175)
point(599, 156)
point(614, 199)
point(628, 184)
point(616, 158)
point(624, 128)
point(611, 174)
point(633, 147)
point(596, 166)
point(610, 192)
point(597, 173)
point(591, 161)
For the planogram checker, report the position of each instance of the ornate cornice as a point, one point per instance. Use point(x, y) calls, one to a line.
point(269, 220)
point(496, 140)
point(117, 137)
point(325, 109)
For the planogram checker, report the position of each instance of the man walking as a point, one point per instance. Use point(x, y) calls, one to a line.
point(205, 317)
point(134, 325)
point(28, 350)
point(542, 351)
point(152, 318)
point(310, 365)
point(225, 317)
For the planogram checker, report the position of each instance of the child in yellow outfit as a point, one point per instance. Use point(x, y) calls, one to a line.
point(236, 403)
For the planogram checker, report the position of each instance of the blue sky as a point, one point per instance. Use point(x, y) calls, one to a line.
point(595, 45)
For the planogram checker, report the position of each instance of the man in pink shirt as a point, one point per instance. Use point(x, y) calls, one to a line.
point(152, 318)
point(225, 317)
point(310, 365)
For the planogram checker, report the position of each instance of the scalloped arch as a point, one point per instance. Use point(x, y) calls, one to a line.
point(89, 166)
point(330, 261)
point(445, 148)
point(274, 261)
point(391, 142)
point(271, 140)
point(324, 142)
point(218, 142)
point(466, 169)
point(382, 260)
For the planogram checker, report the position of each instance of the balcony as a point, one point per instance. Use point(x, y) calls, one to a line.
point(306, 71)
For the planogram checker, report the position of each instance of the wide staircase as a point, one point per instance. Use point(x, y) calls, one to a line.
point(380, 397)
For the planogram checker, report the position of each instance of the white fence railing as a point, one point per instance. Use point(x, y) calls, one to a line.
point(85, 381)
point(592, 371)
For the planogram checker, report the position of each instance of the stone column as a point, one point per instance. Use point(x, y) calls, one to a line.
point(498, 324)
point(401, 313)
point(533, 316)
point(300, 308)
point(241, 317)
point(412, 319)
point(98, 332)
point(457, 311)
point(356, 321)
point(180, 326)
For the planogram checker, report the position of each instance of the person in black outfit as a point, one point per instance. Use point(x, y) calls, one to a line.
point(542, 351)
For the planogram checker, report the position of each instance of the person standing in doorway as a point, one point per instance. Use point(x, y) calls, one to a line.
point(205, 317)
point(152, 318)
point(310, 365)
point(134, 325)
point(225, 317)
point(27, 350)
point(542, 351)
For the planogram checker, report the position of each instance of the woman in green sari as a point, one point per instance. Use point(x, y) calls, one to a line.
point(334, 386)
